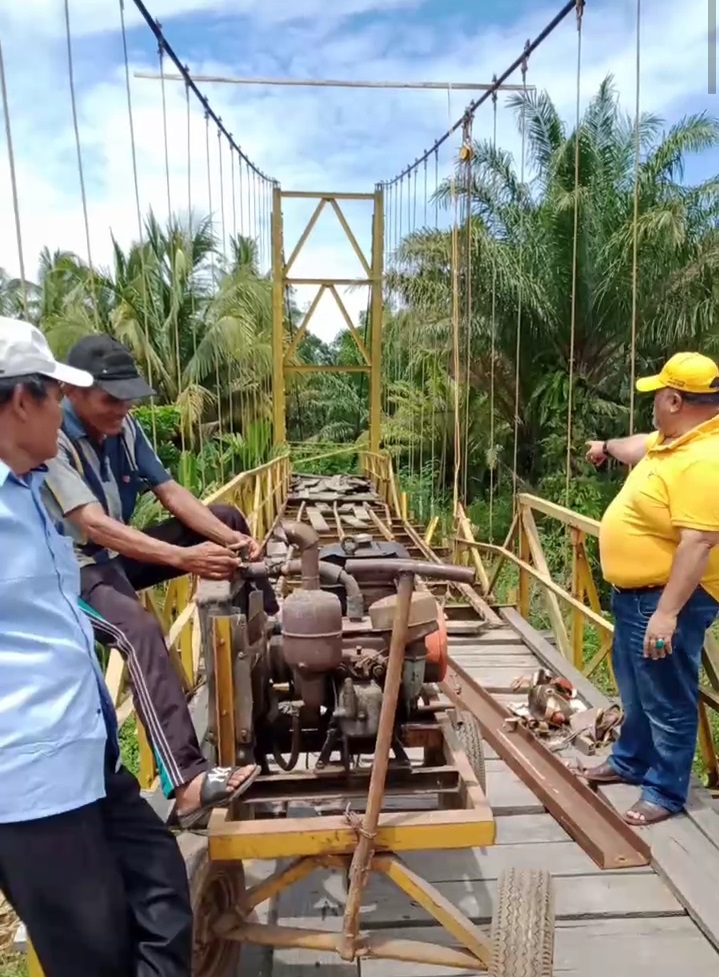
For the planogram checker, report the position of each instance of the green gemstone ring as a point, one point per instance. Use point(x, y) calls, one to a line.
point(659, 642)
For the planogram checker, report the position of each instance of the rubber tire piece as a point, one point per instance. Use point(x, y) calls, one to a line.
point(214, 890)
point(522, 936)
point(469, 735)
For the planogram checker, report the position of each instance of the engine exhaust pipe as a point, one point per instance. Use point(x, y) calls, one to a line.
point(332, 574)
point(307, 542)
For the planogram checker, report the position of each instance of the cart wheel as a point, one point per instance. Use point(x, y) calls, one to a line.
point(214, 891)
point(470, 736)
point(522, 936)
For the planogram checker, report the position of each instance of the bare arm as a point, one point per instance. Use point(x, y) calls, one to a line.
point(193, 514)
point(688, 568)
point(102, 529)
point(627, 451)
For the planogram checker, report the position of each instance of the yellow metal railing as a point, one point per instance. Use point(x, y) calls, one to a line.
point(260, 494)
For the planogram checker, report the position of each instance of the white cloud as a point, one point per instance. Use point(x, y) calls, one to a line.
point(310, 139)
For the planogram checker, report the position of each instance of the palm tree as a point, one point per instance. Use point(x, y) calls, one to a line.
point(519, 244)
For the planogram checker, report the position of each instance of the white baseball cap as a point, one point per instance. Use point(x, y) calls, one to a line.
point(24, 351)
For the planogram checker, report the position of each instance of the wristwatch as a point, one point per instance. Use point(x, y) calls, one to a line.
point(605, 449)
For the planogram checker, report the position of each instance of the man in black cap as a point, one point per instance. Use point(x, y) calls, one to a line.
point(104, 463)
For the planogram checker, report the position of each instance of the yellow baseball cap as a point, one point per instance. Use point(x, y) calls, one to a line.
point(690, 372)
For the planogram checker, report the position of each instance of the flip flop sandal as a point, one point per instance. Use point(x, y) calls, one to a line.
point(603, 774)
point(648, 813)
point(214, 793)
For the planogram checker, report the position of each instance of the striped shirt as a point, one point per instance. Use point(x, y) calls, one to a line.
point(114, 472)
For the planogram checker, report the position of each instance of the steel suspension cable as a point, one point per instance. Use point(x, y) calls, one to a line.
point(454, 271)
point(190, 275)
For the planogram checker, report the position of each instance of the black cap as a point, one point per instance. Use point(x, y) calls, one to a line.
point(111, 365)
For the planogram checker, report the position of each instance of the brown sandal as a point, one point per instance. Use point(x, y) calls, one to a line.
point(603, 774)
point(644, 813)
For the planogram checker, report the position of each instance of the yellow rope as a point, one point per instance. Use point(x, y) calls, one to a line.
point(575, 251)
point(13, 186)
point(143, 269)
point(518, 348)
point(635, 227)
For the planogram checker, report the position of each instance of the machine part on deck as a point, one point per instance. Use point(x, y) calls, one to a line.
point(437, 646)
point(522, 935)
point(361, 547)
point(312, 641)
point(422, 612)
point(307, 542)
point(215, 890)
point(336, 581)
point(594, 825)
point(358, 708)
point(469, 734)
point(393, 568)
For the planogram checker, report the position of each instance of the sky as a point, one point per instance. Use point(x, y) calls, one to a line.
point(306, 138)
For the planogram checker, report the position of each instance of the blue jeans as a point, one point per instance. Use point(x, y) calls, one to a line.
point(660, 697)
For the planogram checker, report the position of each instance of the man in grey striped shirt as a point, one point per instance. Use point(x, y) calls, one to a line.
point(104, 463)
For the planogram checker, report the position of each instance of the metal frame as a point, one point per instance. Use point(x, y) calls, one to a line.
point(282, 353)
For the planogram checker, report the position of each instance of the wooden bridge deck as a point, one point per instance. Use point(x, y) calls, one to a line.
point(658, 921)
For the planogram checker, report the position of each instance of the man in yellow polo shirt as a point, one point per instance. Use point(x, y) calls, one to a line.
point(658, 547)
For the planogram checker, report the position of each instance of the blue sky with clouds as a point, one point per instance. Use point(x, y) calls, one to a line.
point(307, 138)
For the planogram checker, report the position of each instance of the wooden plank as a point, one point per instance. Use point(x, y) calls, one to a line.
point(317, 521)
point(685, 858)
point(497, 679)
point(529, 829)
point(664, 947)
point(320, 902)
point(562, 858)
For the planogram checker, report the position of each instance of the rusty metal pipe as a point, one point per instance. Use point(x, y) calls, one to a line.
point(390, 568)
point(307, 542)
point(359, 867)
point(331, 573)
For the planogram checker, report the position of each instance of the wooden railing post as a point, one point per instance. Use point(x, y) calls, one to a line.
point(578, 591)
point(524, 556)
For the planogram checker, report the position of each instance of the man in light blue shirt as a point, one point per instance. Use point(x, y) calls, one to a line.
point(86, 864)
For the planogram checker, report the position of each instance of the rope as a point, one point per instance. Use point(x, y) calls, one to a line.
point(212, 273)
point(173, 295)
point(575, 251)
point(518, 348)
point(80, 170)
point(191, 265)
point(161, 57)
point(13, 186)
point(455, 338)
point(493, 354)
point(140, 231)
point(635, 226)
point(467, 150)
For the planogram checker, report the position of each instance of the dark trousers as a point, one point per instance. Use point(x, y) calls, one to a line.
point(102, 890)
point(660, 698)
point(159, 697)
